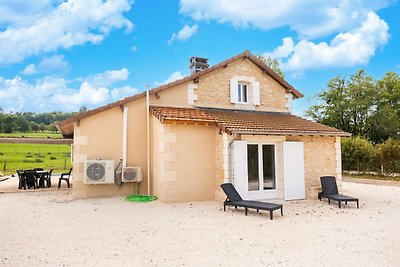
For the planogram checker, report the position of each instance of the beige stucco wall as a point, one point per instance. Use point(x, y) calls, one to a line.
point(176, 96)
point(319, 160)
point(100, 137)
point(183, 162)
point(213, 89)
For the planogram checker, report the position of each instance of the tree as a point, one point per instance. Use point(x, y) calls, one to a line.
point(347, 104)
point(42, 127)
point(22, 124)
point(272, 63)
point(34, 126)
point(53, 128)
point(83, 109)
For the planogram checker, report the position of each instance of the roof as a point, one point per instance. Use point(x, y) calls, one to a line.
point(245, 122)
point(66, 127)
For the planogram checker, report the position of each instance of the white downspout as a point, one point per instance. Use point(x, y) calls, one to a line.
point(124, 136)
point(148, 139)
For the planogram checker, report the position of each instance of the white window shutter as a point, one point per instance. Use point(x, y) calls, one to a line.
point(240, 173)
point(234, 90)
point(256, 93)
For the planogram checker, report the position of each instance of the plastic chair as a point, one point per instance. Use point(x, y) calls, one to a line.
point(65, 177)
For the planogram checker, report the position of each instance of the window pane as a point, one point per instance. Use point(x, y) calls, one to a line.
point(268, 167)
point(244, 86)
point(252, 167)
point(239, 92)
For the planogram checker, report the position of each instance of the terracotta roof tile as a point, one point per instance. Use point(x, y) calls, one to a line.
point(251, 122)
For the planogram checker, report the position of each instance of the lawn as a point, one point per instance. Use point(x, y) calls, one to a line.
point(45, 134)
point(28, 156)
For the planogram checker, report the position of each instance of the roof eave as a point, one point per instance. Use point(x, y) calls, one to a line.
point(313, 133)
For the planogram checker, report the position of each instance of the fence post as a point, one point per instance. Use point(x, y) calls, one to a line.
point(5, 165)
point(65, 163)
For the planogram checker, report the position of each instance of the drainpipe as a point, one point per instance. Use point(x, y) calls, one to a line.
point(148, 138)
point(124, 135)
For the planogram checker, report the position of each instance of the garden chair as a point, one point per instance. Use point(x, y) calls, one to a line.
point(21, 177)
point(30, 178)
point(47, 178)
point(330, 191)
point(65, 177)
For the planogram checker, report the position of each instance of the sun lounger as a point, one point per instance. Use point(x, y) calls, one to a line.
point(330, 191)
point(235, 200)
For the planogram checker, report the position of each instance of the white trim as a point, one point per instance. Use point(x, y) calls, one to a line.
point(253, 90)
point(124, 136)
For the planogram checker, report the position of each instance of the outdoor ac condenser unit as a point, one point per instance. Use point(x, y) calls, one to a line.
point(99, 172)
point(132, 174)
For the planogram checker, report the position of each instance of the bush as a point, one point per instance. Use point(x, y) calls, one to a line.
point(389, 154)
point(28, 161)
point(38, 160)
point(1, 153)
point(359, 154)
point(28, 156)
point(53, 158)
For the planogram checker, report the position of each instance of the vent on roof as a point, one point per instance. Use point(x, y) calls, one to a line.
point(197, 64)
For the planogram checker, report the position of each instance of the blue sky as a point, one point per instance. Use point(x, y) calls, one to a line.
point(61, 55)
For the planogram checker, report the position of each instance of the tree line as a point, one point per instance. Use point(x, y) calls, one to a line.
point(29, 121)
point(369, 109)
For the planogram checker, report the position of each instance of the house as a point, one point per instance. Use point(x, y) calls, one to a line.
point(230, 122)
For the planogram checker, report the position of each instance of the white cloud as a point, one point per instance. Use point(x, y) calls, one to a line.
point(185, 33)
point(345, 49)
point(55, 93)
point(30, 69)
point(87, 95)
point(122, 92)
point(108, 77)
point(134, 48)
point(51, 26)
point(177, 75)
point(311, 18)
point(52, 64)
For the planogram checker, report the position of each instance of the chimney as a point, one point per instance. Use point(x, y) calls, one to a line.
point(197, 64)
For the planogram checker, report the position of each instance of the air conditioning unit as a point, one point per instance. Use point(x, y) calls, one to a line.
point(132, 174)
point(99, 172)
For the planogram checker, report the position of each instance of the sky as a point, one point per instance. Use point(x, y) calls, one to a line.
point(61, 55)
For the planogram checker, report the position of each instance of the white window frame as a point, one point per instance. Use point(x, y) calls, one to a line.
point(243, 93)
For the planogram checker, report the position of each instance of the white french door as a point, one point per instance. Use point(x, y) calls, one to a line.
point(255, 170)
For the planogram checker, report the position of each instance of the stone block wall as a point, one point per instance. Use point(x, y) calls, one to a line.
point(319, 159)
point(213, 90)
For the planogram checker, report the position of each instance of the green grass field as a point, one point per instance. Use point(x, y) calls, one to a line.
point(32, 134)
point(29, 156)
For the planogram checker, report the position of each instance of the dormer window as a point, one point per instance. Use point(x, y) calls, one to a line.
point(242, 93)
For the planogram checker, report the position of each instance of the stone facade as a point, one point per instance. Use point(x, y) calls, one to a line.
point(213, 90)
point(319, 160)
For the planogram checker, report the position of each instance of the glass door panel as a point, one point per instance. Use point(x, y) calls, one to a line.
point(252, 168)
point(268, 162)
